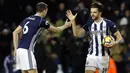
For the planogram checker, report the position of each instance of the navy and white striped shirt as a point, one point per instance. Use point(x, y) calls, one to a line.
point(97, 32)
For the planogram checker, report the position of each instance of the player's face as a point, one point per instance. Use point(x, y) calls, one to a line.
point(95, 14)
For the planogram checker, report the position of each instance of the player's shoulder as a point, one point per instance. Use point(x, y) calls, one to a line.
point(108, 20)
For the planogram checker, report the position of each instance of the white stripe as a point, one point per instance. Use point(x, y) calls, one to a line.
point(94, 41)
point(99, 40)
point(104, 29)
point(31, 47)
point(30, 60)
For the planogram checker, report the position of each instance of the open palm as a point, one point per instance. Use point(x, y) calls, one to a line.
point(70, 15)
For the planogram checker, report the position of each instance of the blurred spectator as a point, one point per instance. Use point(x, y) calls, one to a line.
point(127, 58)
point(125, 25)
point(112, 67)
point(127, 1)
point(46, 49)
point(122, 9)
point(10, 64)
point(118, 56)
point(1, 50)
point(1, 2)
point(72, 4)
point(52, 6)
point(78, 53)
point(61, 12)
point(13, 27)
point(1, 25)
point(125, 20)
point(66, 47)
point(115, 16)
point(28, 10)
point(46, 60)
point(83, 13)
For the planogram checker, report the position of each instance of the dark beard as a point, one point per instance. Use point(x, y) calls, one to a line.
point(95, 18)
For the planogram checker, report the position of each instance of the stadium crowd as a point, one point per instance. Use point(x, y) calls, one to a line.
point(63, 53)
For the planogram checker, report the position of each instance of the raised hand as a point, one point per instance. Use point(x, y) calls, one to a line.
point(70, 16)
point(68, 23)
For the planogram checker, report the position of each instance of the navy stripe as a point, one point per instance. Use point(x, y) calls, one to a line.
point(101, 28)
point(108, 51)
point(96, 39)
point(30, 60)
point(91, 47)
point(107, 29)
point(91, 42)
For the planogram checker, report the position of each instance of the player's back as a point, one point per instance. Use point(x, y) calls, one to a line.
point(31, 28)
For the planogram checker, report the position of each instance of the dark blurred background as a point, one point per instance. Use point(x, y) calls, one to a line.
point(63, 53)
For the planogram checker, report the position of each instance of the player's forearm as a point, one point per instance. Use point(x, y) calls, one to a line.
point(15, 40)
point(15, 36)
point(61, 28)
point(75, 32)
point(118, 37)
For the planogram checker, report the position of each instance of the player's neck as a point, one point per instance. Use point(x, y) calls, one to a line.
point(39, 14)
point(98, 20)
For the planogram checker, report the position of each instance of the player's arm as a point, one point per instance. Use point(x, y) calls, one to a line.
point(118, 37)
point(77, 32)
point(15, 37)
point(60, 28)
point(116, 33)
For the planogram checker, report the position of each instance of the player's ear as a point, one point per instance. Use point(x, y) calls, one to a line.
point(46, 9)
point(100, 13)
